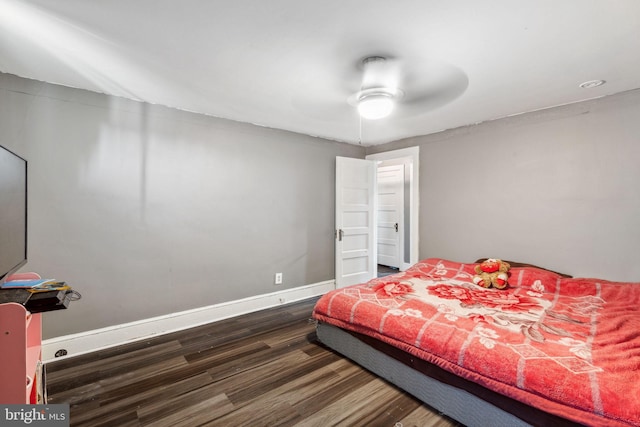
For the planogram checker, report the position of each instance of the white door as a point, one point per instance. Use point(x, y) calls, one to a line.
point(355, 221)
point(390, 210)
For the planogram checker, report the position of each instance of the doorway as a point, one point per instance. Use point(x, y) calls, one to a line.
point(356, 231)
point(390, 217)
point(404, 167)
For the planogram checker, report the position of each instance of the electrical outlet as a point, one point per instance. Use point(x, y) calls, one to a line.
point(278, 280)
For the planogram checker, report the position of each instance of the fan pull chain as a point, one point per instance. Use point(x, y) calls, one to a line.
point(359, 129)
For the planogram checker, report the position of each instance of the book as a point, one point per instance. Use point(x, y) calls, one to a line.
point(32, 284)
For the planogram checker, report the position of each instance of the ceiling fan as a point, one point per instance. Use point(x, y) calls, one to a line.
point(406, 86)
point(387, 84)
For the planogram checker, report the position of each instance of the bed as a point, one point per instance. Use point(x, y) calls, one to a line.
point(547, 350)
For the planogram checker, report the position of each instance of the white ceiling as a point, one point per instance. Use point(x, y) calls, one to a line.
point(291, 64)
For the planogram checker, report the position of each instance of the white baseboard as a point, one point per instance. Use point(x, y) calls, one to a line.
point(97, 339)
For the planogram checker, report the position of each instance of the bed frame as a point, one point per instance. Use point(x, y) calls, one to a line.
point(462, 400)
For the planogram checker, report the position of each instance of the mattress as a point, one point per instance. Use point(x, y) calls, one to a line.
point(566, 347)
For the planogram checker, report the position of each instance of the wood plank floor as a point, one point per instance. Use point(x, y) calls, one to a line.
point(384, 270)
point(259, 369)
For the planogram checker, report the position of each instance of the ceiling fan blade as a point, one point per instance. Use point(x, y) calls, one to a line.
point(321, 92)
point(438, 85)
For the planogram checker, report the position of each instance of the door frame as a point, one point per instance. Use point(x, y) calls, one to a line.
point(412, 156)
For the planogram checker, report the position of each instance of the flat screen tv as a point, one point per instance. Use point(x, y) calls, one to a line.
point(13, 213)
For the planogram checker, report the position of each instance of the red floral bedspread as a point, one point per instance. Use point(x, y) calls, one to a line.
point(570, 347)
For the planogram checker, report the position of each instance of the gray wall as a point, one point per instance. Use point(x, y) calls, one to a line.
point(558, 188)
point(148, 210)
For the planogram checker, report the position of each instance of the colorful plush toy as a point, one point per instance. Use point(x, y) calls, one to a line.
point(492, 272)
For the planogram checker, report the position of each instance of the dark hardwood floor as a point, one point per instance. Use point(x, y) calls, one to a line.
point(259, 369)
point(384, 270)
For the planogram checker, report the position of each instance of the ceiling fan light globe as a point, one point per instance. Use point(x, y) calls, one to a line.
point(375, 106)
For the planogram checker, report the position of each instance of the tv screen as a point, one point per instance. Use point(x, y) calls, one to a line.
point(13, 212)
